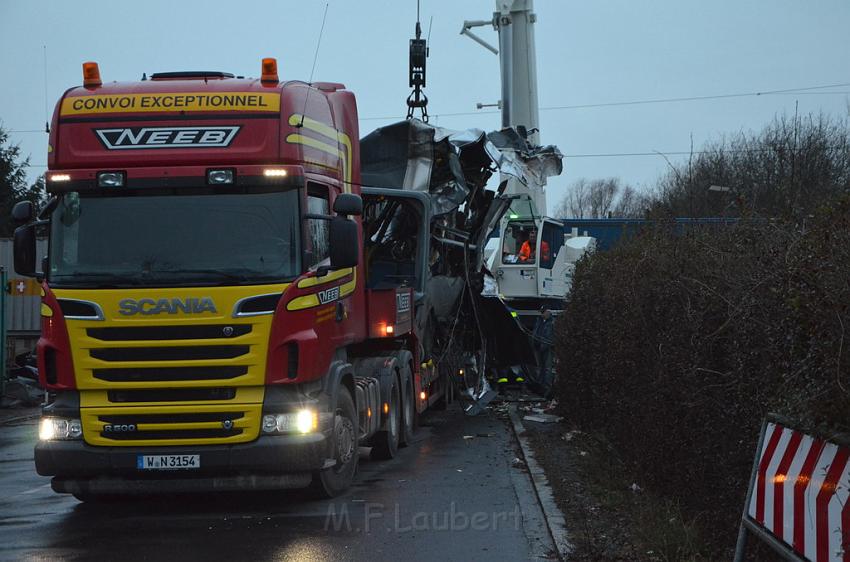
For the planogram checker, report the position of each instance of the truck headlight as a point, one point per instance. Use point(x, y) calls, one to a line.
point(51, 429)
point(303, 421)
point(306, 421)
point(110, 179)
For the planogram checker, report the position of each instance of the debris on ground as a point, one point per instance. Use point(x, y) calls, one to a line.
point(518, 463)
point(481, 401)
point(24, 391)
point(543, 418)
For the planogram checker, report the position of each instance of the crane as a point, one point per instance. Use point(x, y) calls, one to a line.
point(535, 260)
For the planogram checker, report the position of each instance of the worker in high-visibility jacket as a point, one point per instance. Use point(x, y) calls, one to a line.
point(528, 249)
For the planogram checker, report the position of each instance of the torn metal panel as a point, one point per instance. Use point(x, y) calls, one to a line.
point(530, 164)
point(415, 156)
point(444, 292)
point(451, 164)
point(453, 168)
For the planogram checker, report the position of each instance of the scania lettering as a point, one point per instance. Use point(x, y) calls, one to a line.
point(129, 307)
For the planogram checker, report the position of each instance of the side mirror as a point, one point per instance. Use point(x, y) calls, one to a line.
point(344, 247)
point(348, 204)
point(23, 212)
point(24, 250)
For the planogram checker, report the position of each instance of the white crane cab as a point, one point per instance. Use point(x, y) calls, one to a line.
point(532, 263)
point(536, 260)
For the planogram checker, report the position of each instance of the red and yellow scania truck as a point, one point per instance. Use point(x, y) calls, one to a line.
point(208, 321)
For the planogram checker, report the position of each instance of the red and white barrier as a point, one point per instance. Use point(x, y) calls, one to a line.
point(799, 494)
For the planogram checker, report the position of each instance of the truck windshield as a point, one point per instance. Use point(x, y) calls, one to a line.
point(174, 239)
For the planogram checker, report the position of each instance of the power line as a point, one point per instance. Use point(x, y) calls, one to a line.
point(698, 98)
point(694, 152)
point(788, 91)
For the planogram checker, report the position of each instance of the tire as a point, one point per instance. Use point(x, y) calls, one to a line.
point(408, 408)
point(333, 481)
point(385, 443)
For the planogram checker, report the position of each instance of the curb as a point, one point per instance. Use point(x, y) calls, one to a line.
point(555, 520)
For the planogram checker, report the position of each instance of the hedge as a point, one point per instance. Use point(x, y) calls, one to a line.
point(674, 345)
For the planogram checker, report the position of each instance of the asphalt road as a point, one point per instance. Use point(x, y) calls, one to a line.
point(443, 498)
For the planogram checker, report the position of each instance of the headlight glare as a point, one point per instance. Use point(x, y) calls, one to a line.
point(306, 421)
point(303, 421)
point(50, 429)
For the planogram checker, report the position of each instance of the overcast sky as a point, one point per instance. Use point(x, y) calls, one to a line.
point(588, 52)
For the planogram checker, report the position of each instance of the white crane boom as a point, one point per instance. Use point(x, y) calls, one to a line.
point(514, 21)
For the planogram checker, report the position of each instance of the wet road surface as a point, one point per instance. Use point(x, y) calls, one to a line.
point(443, 498)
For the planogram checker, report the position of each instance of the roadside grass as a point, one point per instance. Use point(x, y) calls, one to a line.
point(659, 529)
point(609, 515)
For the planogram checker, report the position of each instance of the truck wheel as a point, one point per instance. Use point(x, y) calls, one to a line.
point(333, 481)
point(408, 409)
point(385, 443)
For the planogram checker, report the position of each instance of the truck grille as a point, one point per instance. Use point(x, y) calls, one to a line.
point(172, 434)
point(182, 353)
point(147, 333)
point(225, 420)
point(121, 426)
point(171, 418)
point(190, 384)
point(157, 356)
point(153, 374)
point(176, 378)
point(171, 394)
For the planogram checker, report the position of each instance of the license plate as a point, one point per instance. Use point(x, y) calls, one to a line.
point(168, 462)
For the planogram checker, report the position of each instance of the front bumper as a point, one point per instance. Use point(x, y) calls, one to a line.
point(270, 462)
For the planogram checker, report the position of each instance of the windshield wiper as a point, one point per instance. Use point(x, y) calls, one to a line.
point(228, 275)
point(114, 278)
point(157, 277)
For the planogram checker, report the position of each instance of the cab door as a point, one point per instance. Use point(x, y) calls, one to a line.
point(517, 265)
point(552, 274)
